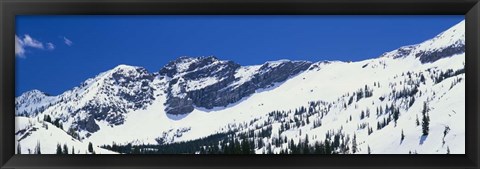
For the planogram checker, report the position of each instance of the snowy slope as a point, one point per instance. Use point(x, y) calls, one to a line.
point(31, 132)
point(32, 102)
point(433, 69)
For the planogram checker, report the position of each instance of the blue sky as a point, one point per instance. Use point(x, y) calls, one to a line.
point(57, 53)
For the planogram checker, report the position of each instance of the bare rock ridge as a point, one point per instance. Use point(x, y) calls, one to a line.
point(445, 44)
point(219, 77)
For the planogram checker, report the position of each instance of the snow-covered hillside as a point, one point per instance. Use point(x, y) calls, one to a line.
point(38, 137)
point(409, 100)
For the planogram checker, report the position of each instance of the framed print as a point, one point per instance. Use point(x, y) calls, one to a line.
point(253, 84)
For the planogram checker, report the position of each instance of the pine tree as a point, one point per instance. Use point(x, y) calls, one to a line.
point(73, 150)
point(417, 121)
point(402, 137)
point(306, 147)
point(65, 149)
point(354, 144)
point(37, 148)
point(293, 147)
point(59, 149)
point(19, 148)
point(90, 147)
point(410, 104)
point(237, 147)
point(47, 118)
point(71, 131)
point(245, 146)
point(370, 130)
point(60, 125)
point(396, 114)
point(425, 120)
point(328, 148)
point(369, 150)
point(448, 150)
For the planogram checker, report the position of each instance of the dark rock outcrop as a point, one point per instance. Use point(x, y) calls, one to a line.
point(432, 56)
point(88, 124)
point(221, 93)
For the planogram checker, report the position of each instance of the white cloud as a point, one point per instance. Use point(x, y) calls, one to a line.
point(28, 42)
point(50, 46)
point(67, 41)
point(19, 47)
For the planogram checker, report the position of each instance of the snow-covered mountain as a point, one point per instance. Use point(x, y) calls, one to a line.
point(360, 107)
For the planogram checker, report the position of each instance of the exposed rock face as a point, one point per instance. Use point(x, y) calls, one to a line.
point(403, 51)
point(88, 124)
point(119, 90)
point(208, 82)
point(432, 56)
point(135, 87)
point(177, 105)
point(219, 96)
point(201, 74)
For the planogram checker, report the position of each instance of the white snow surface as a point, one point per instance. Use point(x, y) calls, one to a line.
point(48, 136)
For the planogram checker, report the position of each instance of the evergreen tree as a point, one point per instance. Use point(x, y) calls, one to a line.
point(19, 148)
point(417, 121)
point(425, 120)
point(237, 147)
point(73, 150)
point(72, 132)
point(328, 147)
point(369, 150)
point(245, 146)
point(402, 137)
point(410, 104)
point(448, 150)
point(354, 144)
point(136, 150)
point(37, 148)
point(47, 118)
point(59, 149)
point(306, 149)
point(396, 114)
point(90, 147)
point(65, 149)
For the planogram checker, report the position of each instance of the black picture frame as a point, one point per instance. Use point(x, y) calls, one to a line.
point(10, 8)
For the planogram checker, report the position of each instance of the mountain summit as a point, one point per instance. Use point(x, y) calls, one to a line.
point(446, 44)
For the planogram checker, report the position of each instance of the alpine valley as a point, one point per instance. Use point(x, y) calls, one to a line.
point(409, 100)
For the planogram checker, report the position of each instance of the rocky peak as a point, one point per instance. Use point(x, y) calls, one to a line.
point(32, 102)
point(187, 64)
point(119, 89)
point(123, 74)
point(31, 97)
point(445, 44)
point(32, 94)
